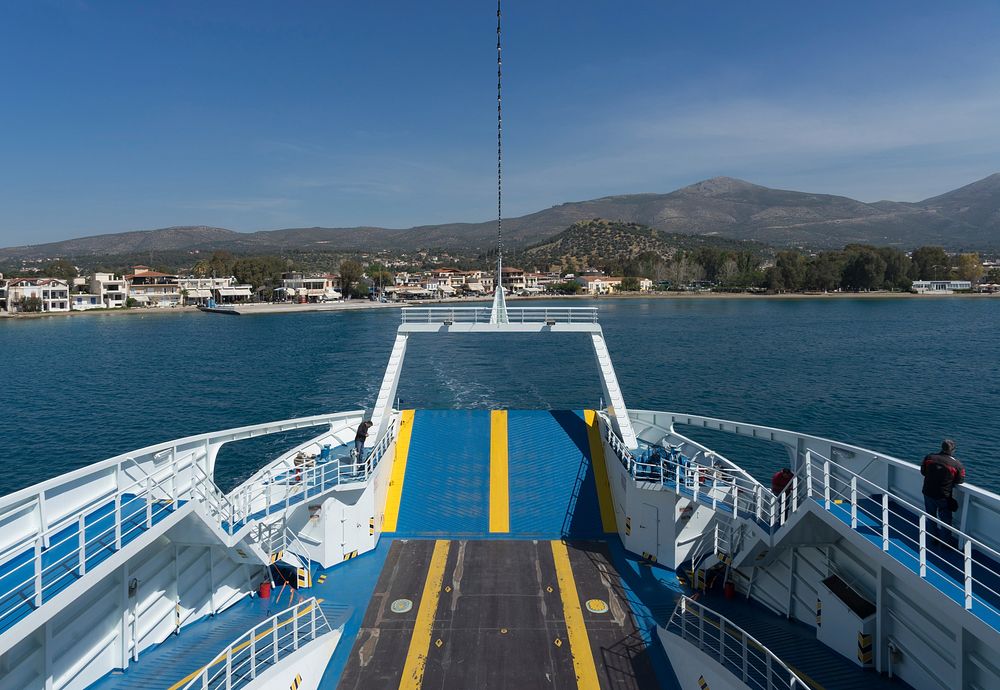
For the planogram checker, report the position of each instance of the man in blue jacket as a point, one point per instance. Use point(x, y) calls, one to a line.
point(942, 471)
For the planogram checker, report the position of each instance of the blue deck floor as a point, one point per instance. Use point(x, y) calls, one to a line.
point(61, 559)
point(552, 488)
point(446, 488)
point(945, 567)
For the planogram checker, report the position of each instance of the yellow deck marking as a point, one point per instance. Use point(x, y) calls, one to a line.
point(416, 655)
point(395, 494)
point(576, 629)
point(499, 475)
point(240, 647)
point(604, 496)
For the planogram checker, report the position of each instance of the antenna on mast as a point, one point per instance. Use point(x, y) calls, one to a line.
point(499, 311)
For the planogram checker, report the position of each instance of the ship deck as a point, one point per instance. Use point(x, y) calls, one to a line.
point(494, 579)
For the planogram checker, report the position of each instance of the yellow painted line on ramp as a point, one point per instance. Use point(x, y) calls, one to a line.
point(395, 493)
point(420, 643)
point(576, 629)
point(604, 496)
point(499, 474)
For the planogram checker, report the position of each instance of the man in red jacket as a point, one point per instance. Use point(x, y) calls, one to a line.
point(942, 471)
point(781, 482)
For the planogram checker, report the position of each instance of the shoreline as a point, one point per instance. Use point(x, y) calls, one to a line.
point(358, 304)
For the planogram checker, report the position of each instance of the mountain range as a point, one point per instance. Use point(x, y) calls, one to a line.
point(967, 218)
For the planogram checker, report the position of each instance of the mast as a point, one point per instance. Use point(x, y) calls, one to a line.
point(499, 312)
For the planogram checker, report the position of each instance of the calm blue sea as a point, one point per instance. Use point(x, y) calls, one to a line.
point(893, 375)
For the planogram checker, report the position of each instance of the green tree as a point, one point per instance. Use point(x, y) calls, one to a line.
point(568, 287)
point(261, 272)
point(350, 276)
point(824, 271)
point(970, 267)
point(629, 284)
point(379, 275)
point(897, 268)
point(789, 272)
point(60, 268)
point(930, 263)
point(220, 264)
point(30, 304)
point(864, 270)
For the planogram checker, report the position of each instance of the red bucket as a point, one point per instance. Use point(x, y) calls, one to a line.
point(729, 591)
point(265, 590)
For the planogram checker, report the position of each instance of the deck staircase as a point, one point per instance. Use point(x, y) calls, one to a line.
point(752, 523)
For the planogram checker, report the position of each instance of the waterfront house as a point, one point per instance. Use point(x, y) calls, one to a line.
point(315, 288)
point(599, 284)
point(152, 288)
point(3, 294)
point(940, 287)
point(222, 290)
point(111, 289)
point(82, 301)
point(52, 294)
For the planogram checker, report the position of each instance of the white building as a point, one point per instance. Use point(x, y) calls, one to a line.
point(52, 293)
point(940, 287)
point(303, 288)
point(82, 301)
point(111, 290)
point(222, 290)
point(607, 285)
point(153, 289)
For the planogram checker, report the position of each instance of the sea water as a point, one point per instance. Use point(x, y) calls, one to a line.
point(894, 375)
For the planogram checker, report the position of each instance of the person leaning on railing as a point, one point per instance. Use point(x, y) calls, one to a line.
point(942, 471)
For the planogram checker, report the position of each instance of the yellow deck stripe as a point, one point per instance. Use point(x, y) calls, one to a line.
point(499, 475)
point(604, 496)
point(395, 494)
point(240, 647)
point(420, 643)
point(576, 629)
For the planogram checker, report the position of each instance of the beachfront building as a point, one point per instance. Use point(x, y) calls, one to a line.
point(940, 287)
point(222, 290)
point(513, 280)
point(317, 288)
point(598, 284)
point(38, 294)
point(82, 301)
point(3, 294)
point(111, 289)
point(153, 289)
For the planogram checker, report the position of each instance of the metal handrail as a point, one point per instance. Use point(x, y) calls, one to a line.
point(74, 561)
point(262, 647)
point(274, 492)
point(514, 314)
point(834, 480)
point(735, 649)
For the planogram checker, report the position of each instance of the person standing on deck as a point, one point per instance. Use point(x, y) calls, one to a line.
point(361, 437)
point(942, 471)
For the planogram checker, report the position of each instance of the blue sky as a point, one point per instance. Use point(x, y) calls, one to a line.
point(124, 115)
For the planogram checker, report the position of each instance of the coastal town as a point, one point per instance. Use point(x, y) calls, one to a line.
point(144, 287)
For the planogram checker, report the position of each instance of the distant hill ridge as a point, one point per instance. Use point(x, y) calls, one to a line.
point(965, 218)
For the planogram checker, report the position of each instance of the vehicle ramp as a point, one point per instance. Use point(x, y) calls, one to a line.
point(500, 474)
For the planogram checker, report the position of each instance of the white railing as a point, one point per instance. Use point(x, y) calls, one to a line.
point(263, 646)
point(63, 553)
point(280, 487)
point(735, 649)
point(950, 558)
point(449, 315)
point(105, 506)
point(902, 530)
